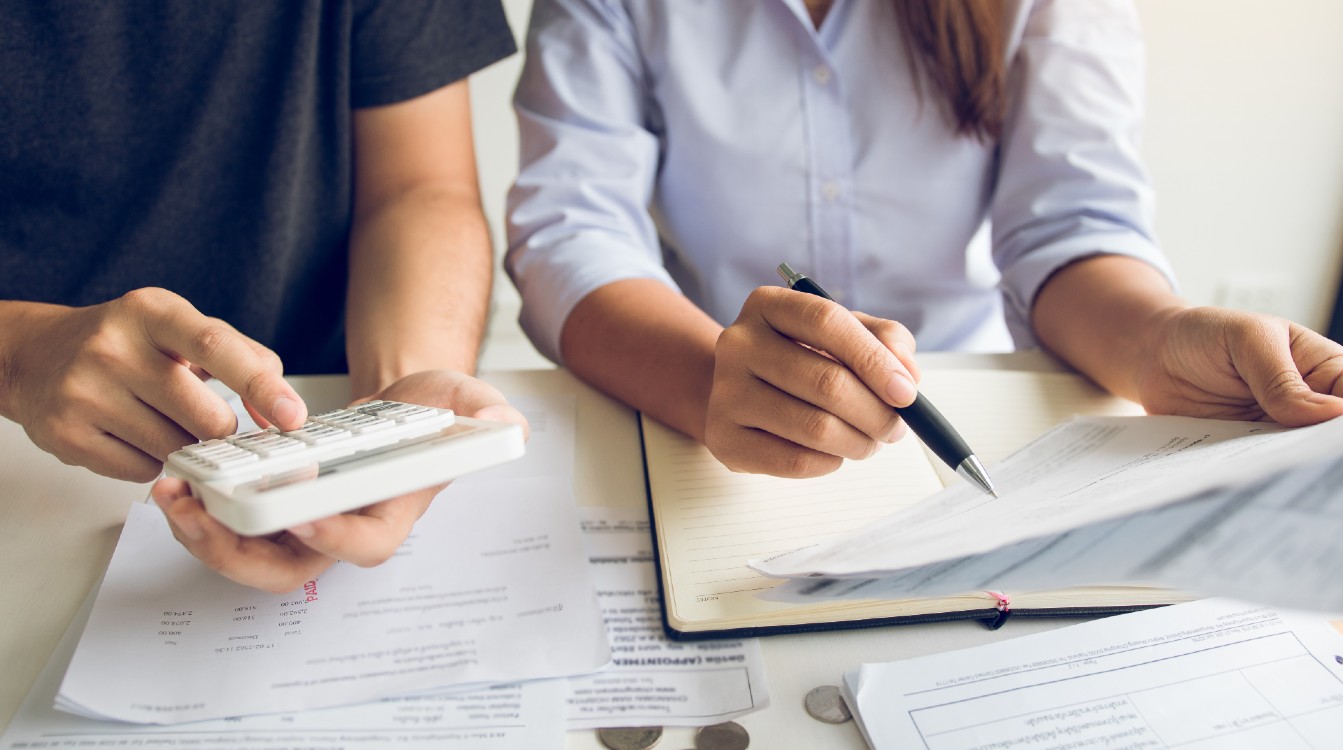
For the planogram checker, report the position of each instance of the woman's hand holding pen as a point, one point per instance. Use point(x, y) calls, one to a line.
point(800, 383)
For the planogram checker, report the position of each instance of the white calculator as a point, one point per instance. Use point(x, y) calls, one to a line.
point(267, 480)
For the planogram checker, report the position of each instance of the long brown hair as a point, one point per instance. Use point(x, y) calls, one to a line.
point(959, 44)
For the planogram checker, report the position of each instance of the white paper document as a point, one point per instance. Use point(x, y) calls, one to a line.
point(1219, 507)
point(503, 717)
point(652, 680)
point(492, 586)
point(1208, 674)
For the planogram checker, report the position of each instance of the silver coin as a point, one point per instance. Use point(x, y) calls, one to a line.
point(630, 738)
point(726, 736)
point(824, 703)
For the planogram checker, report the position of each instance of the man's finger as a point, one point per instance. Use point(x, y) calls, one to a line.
point(178, 394)
point(232, 358)
point(372, 535)
point(277, 566)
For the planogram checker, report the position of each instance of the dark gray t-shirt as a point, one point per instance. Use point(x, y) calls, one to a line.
point(205, 147)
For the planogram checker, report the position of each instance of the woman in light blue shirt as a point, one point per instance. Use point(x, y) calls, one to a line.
point(968, 168)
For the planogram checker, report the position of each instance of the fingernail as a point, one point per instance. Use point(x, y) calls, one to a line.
point(897, 432)
point(901, 390)
point(286, 410)
point(303, 530)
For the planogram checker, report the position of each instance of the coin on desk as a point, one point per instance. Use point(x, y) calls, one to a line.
point(726, 736)
point(630, 738)
point(824, 703)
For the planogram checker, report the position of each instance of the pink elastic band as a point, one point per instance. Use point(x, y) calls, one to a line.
point(1004, 601)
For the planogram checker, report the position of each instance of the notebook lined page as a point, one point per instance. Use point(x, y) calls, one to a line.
point(710, 521)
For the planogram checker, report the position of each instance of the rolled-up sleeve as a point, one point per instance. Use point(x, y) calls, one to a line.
point(1070, 180)
point(578, 215)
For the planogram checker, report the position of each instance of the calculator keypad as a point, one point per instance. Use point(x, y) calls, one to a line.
point(334, 433)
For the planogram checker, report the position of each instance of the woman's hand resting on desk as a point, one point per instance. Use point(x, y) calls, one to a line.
point(366, 537)
point(116, 387)
point(1226, 364)
point(780, 406)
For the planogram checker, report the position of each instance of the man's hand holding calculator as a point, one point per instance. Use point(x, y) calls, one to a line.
point(368, 536)
point(118, 387)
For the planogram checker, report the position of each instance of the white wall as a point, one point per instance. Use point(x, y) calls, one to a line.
point(1244, 142)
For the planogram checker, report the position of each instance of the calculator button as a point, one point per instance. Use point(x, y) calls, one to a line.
point(315, 433)
point(233, 460)
point(267, 443)
point(354, 421)
point(400, 412)
point(208, 447)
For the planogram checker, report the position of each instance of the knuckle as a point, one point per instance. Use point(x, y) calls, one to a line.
point(732, 339)
point(217, 422)
point(831, 382)
point(868, 450)
point(256, 382)
point(801, 464)
point(1283, 384)
point(210, 340)
point(819, 427)
point(147, 301)
point(823, 316)
point(875, 359)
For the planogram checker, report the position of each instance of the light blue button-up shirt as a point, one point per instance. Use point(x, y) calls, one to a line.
point(702, 142)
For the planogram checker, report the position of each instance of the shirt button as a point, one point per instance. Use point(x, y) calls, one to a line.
point(821, 73)
point(830, 190)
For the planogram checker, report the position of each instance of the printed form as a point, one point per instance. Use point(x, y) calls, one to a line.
point(652, 680)
point(1208, 674)
point(493, 586)
point(1213, 507)
point(503, 717)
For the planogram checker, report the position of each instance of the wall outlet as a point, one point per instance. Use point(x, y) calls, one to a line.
point(1259, 293)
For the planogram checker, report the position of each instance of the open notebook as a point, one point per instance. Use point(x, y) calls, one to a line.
point(709, 521)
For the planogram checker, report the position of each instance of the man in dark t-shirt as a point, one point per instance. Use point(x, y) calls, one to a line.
point(190, 188)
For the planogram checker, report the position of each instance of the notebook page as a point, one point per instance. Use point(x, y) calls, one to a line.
point(710, 521)
point(998, 411)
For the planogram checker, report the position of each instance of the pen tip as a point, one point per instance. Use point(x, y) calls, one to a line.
point(974, 472)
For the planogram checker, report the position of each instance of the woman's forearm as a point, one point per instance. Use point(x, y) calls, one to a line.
point(648, 346)
point(1099, 315)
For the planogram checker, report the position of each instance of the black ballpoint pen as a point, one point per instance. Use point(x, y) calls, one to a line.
point(921, 416)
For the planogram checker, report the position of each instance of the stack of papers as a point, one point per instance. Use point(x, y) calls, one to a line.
point(1245, 509)
point(1212, 673)
point(474, 597)
point(503, 580)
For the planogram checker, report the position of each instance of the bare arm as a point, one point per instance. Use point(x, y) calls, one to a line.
point(648, 346)
point(1116, 319)
point(1101, 314)
point(420, 260)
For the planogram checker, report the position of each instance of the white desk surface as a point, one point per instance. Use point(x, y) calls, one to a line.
point(59, 524)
